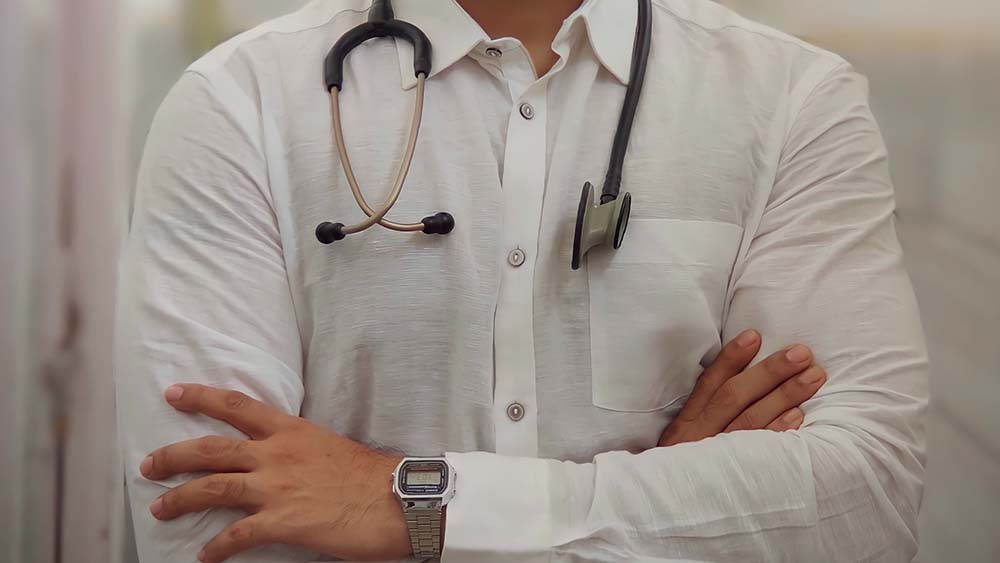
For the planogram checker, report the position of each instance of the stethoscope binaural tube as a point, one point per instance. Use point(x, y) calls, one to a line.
point(381, 23)
point(603, 221)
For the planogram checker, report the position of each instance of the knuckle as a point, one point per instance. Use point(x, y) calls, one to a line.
point(789, 395)
point(234, 400)
point(215, 485)
point(727, 396)
point(284, 453)
point(241, 533)
point(211, 446)
point(240, 448)
point(746, 421)
point(234, 489)
point(225, 488)
point(789, 388)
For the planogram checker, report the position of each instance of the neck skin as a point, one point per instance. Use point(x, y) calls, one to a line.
point(534, 22)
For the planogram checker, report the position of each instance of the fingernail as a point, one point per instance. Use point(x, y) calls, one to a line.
point(792, 417)
point(146, 467)
point(156, 507)
point(798, 354)
point(201, 556)
point(812, 376)
point(747, 339)
point(174, 393)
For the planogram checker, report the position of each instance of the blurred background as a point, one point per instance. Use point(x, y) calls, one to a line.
point(81, 80)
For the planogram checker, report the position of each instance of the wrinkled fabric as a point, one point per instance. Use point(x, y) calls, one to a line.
point(761, 199)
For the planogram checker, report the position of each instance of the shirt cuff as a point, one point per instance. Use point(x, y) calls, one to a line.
point(501, 510)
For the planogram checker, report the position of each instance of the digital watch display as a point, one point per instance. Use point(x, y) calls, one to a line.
point(428, 478)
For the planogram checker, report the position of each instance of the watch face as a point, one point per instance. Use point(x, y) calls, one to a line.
point(424, 478)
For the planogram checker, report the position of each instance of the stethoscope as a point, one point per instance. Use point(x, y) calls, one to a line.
point(599, 221)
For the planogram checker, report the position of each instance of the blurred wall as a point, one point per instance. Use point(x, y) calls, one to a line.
point(13, 267)
point(27, 137)
point(62, 223)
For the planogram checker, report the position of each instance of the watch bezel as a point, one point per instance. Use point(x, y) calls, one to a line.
point(439, 499)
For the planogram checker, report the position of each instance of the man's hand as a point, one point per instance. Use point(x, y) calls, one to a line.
point(300, 484)
point(728, 397)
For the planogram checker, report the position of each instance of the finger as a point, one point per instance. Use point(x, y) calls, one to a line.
point(215, 491)
point(741, 391)
point(790, 394)
point(791, 420)
point(215, 454)
point(733, 359)
point(250, 416)
point(250, 532)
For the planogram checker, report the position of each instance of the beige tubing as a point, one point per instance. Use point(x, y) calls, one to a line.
point(378, 217)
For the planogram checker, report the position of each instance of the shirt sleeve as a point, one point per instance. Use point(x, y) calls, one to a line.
point(203, 298)
point(824, 268)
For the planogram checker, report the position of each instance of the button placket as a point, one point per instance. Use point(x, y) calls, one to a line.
point(515, 408)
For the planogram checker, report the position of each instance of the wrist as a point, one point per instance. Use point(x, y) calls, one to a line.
point(392, 533)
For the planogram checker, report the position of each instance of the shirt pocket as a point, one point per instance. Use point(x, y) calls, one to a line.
point(656, 310)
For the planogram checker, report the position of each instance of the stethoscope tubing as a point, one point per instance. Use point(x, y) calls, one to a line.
point(382, 23)
point(378, 217)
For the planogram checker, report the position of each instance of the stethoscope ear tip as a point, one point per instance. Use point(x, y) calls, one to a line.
point(329, 233)
point(439, 224)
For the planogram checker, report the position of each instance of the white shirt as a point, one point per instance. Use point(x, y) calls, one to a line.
point(761, 199)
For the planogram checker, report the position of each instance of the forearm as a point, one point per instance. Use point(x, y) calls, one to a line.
point(822, 493)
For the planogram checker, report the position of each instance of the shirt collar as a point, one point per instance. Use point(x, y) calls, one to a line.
point(610, 26)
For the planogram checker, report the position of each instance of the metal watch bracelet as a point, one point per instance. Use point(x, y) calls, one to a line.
point(425, 531)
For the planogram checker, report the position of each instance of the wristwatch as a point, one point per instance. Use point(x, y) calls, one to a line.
point(425, 485)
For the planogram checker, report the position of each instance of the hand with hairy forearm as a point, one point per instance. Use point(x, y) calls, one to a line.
point(299, 483)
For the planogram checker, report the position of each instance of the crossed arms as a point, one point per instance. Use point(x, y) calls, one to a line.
point(824, 268)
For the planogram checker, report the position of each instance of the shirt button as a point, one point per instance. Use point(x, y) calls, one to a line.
point(516, 257)
point(527, 111)
point(515, 412)
point(494, 52)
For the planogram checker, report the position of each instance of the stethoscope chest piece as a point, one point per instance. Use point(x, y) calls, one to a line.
point(599, 223)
